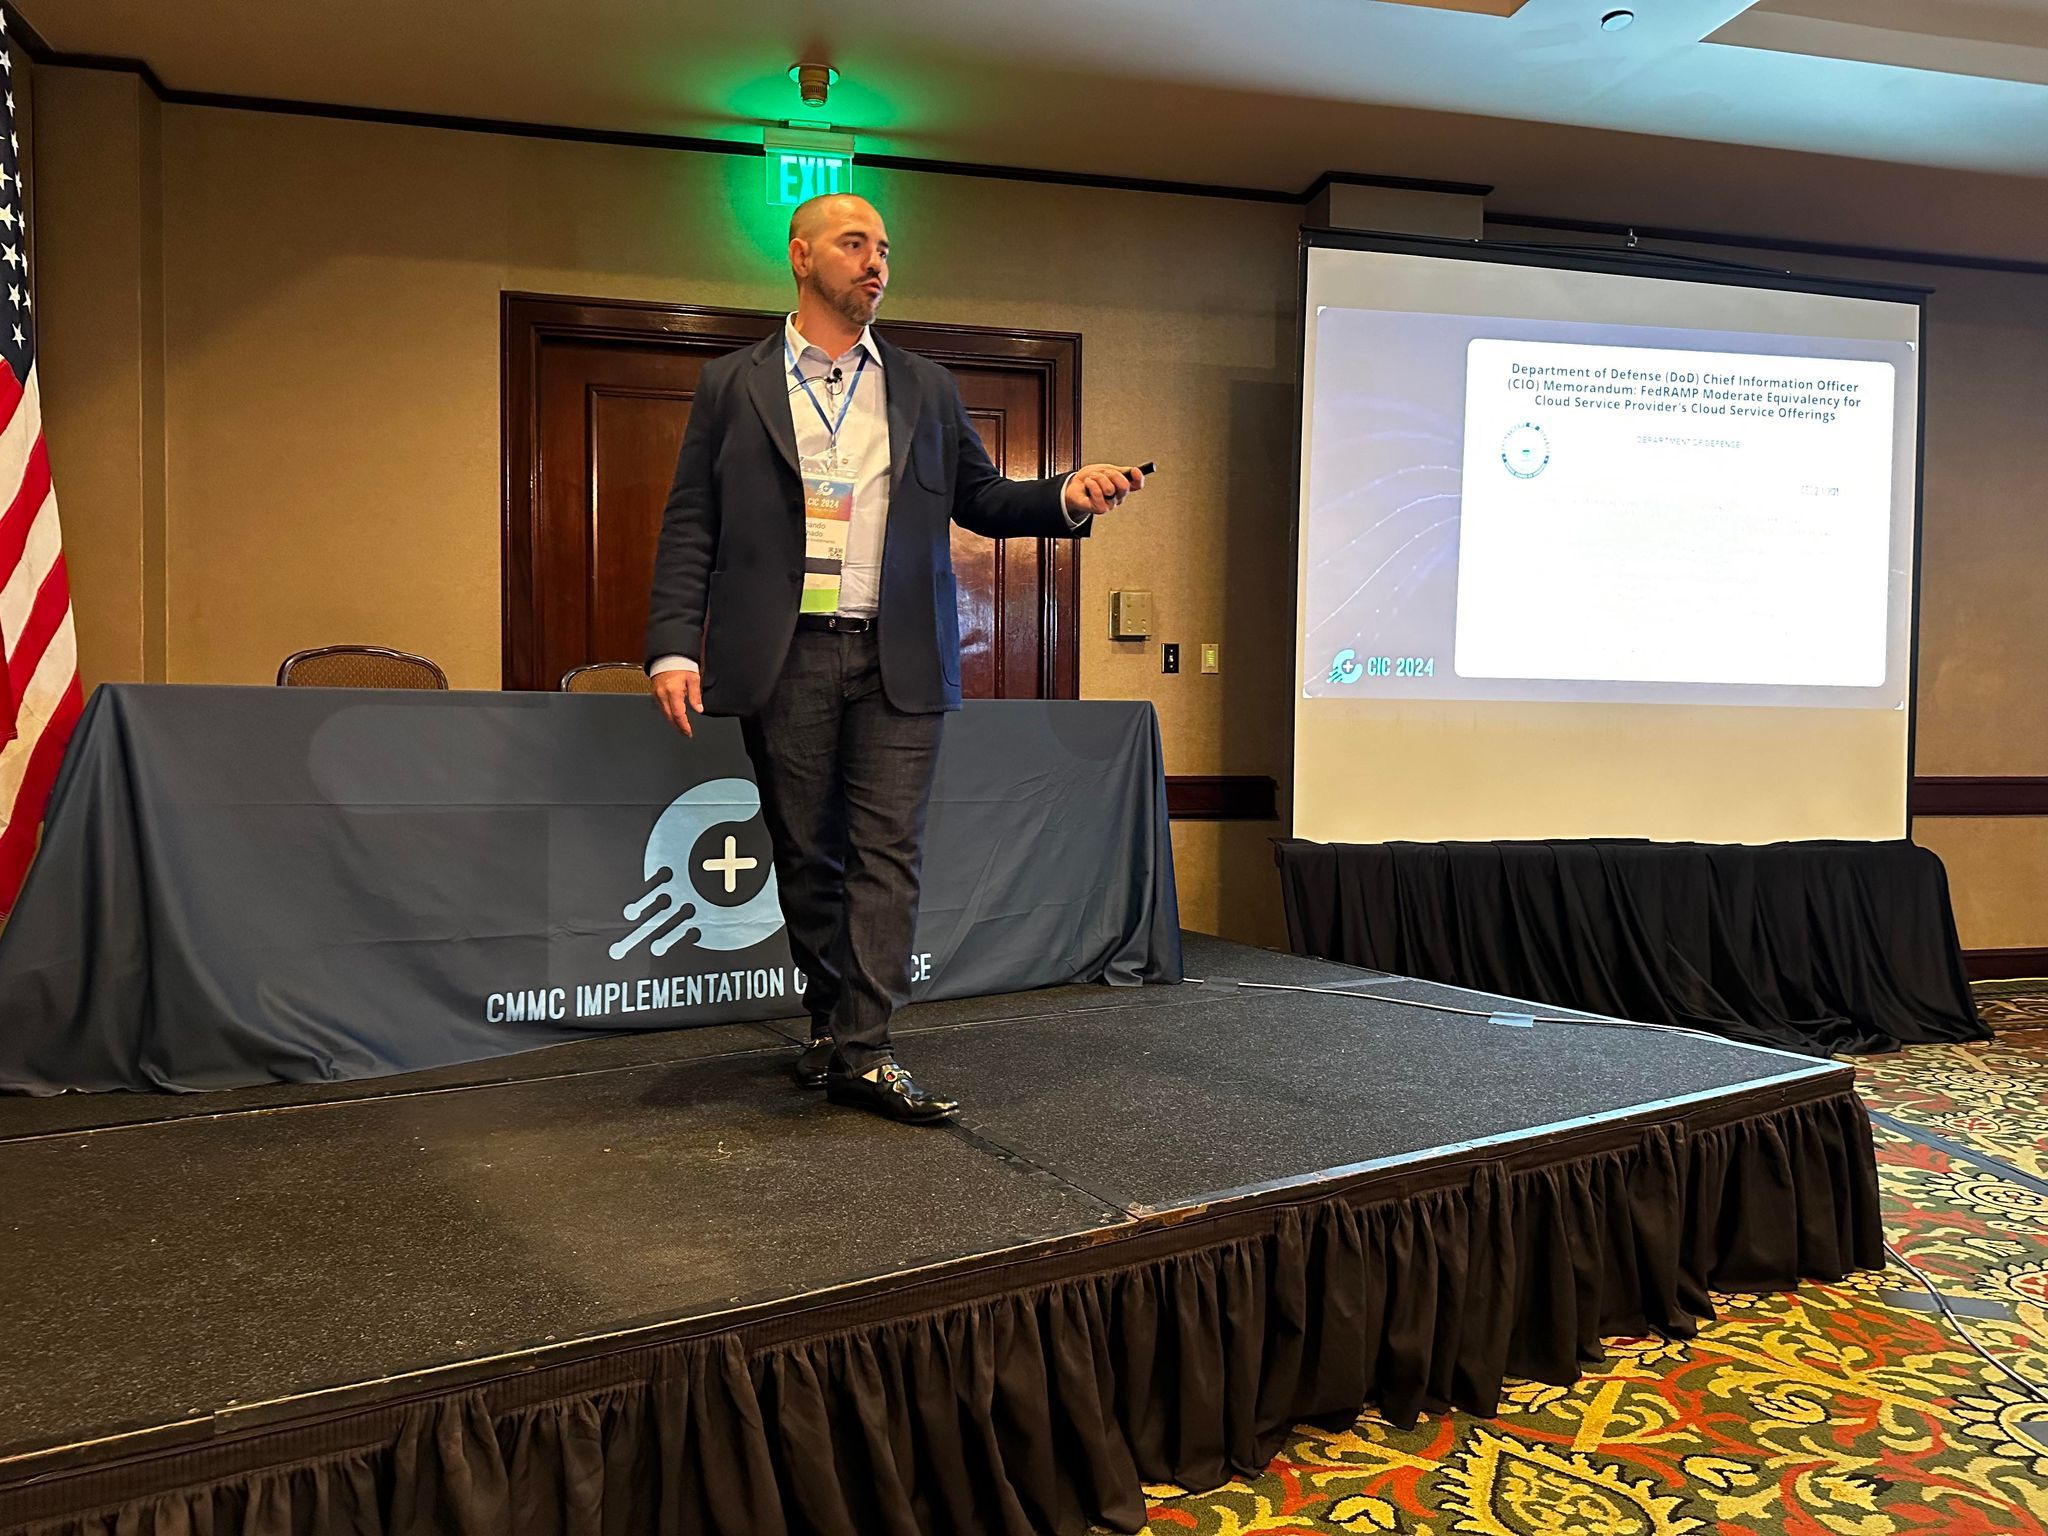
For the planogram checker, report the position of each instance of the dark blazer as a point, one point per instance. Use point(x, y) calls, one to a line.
point(728, 571)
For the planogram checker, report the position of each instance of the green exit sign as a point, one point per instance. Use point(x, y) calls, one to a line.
point(795, 175)
point(806, 162)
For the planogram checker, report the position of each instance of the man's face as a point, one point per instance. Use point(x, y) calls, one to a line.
point(846, 259)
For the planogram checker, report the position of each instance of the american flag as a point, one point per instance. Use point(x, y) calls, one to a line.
point(39, 693)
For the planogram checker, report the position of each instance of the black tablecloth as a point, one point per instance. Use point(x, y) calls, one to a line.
point(1821, 947)
point(240, 885)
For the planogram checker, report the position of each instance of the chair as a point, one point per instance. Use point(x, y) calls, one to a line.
point(359, 666)
point(607, 677)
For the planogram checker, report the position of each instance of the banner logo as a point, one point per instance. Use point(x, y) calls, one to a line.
point(679, 904)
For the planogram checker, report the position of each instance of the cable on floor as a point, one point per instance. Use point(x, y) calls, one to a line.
point(2028, 1385)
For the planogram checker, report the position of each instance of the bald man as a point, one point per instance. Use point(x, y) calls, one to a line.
point(804, 582)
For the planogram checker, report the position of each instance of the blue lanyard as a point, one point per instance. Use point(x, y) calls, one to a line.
point(831, 427)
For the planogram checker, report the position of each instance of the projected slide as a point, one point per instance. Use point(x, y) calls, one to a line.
point(1689, 517)
point(1538, 510)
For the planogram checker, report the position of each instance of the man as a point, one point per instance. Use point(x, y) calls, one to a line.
point(804, 583)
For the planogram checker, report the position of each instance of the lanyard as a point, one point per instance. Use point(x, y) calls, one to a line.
point(831, 427)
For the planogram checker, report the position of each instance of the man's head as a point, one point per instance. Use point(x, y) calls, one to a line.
point(839, 250)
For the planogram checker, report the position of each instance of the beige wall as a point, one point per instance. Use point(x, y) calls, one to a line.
point(1984, 590)
point(331, 394)
point(317, 304)
point(99, 294)
point(1998, 875)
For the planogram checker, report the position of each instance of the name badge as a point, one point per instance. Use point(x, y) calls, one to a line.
point(828, 514)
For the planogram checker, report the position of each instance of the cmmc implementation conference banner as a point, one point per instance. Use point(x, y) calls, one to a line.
point(244, 885)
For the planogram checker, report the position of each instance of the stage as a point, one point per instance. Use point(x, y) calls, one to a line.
point(642, 1282)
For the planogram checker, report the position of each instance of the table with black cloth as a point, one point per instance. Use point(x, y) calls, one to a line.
point(1821, 947)
point(244, 885)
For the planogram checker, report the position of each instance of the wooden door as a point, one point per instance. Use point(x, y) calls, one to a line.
point(596, 396)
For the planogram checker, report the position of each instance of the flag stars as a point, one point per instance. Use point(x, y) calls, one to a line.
point(17, 327)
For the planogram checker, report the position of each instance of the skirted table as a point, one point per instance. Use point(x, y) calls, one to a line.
point(243, 885)
point(1822, 947)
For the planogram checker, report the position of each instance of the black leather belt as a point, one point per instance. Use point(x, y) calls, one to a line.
point(840, 623)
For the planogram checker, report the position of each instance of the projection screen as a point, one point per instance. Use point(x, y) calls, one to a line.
point(1591, 549)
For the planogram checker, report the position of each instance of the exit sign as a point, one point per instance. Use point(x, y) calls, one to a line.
point(806, 163)
point(796, 175)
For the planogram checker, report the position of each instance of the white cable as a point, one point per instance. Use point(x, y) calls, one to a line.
point(2032, 1388)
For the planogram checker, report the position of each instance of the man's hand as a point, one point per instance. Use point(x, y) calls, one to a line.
point(1097, 488)
point(678, 692)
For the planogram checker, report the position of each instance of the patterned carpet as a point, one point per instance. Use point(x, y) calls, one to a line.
point(2013, 1004)
point(1839, 1410)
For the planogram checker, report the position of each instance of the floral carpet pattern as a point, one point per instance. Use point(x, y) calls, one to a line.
point(2012, 1004)
point(1835, 1410)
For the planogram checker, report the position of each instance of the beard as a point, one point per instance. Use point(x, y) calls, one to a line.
point(851, 302)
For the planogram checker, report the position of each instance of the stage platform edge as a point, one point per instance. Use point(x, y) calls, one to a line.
point(1173, 1222)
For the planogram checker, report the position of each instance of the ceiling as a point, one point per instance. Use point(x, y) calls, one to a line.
point(1259, 93)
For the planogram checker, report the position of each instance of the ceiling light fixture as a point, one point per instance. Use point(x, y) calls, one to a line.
point(1617, 21)
point(813, 81)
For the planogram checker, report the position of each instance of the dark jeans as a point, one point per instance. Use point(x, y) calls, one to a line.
point(845, 778)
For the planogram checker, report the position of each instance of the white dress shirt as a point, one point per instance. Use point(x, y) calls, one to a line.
point(863, 439)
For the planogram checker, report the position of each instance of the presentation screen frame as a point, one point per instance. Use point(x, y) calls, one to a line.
point(1620, 262)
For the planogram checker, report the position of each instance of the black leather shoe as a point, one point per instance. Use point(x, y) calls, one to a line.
point(890, 1092)
point(811, 1062)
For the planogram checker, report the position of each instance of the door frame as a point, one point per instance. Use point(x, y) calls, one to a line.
point(529, 320)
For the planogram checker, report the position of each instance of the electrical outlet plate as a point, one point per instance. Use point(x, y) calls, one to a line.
point(1130, 615)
